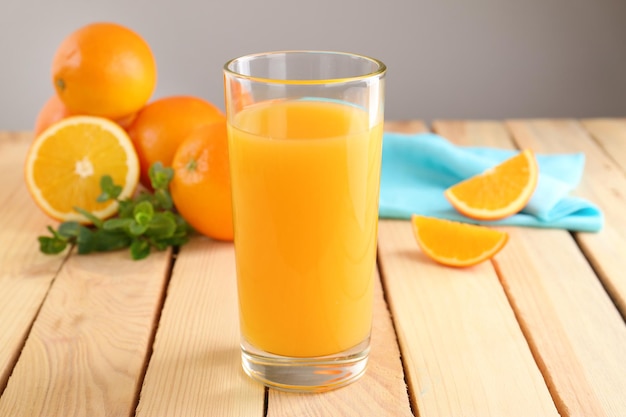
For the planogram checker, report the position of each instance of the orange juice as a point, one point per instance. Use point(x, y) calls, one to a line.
point(305, 178)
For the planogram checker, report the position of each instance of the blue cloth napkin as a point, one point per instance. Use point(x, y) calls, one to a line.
point(416, 169)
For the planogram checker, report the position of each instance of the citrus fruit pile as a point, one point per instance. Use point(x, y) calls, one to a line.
point(495, 194)
point(101, 122)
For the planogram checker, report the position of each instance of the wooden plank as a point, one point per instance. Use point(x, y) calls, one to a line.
point(464, 352)
point(406, 126)
point(573, 328)
point(603, 182)
point(85, 354)
point(195, 366)
point(463, 349)
point(380, 392)
point(476, 133)
point(25, 274)
point(611, 136)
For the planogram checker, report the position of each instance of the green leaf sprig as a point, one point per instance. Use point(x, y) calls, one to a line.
point(142, 223)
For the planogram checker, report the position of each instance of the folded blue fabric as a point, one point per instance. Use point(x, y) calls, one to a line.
point(416, 169)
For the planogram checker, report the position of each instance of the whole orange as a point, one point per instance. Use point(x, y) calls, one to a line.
point(201, 185)
point(160, 127)
point(51, 112)
point(104, 69)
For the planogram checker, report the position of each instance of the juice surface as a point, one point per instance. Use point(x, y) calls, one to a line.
point(305, 178)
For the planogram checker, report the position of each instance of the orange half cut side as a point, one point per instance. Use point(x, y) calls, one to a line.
point(66, 162)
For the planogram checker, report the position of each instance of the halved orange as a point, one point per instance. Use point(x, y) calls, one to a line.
point(499, 192)
point(454, 243)
point(66, 162)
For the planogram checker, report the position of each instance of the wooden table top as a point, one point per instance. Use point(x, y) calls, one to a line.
point(538, 331)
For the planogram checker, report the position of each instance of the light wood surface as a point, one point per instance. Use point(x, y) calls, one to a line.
point(25, 274)
point(465, 352)
point(539, 331)
point(86, 350)
point(194, 369)
point(603, 182)
point(554, 293)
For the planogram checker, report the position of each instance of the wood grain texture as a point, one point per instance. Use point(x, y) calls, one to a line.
point(464, 352)
point(573, 328)
point(25, 273)
point(86, 350)
point(611, 136)
point(195, 367)
point(589, 319)
point(603, 183)
point(476, 133)
point(472, 341)
point(406, 126)
point(382, 391)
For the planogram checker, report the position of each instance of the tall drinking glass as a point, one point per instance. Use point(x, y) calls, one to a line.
point(305, 137)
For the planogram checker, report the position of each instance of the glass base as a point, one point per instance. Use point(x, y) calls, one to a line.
point(316, 374)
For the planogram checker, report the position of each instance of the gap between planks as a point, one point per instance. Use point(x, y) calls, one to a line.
point(464, 350)
point(25, 274)
point(571, 324)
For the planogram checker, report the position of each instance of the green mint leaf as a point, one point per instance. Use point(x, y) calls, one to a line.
point(85, 240)
point(69, 230)
point(139, 249)
point(54, 233)
point(117, 224)
point(104, 197)
point(182, 227)
point(51, 245)
point(160, 245)
point(162, 226)
point(143, 213)
point(136, 229)
point(160, 176)
point(175, 240)
point(96, 221)
point(126, 208)
point(163, 199)
point(110, 191)
point(109, 240)
point(182, 233)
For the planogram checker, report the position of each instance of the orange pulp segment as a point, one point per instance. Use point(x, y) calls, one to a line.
point(66, 162)
point(454, 243)
point(499, 192)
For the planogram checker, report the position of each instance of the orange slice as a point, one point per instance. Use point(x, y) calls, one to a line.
point(499, 192)
point(456, 244)
point(67, 160)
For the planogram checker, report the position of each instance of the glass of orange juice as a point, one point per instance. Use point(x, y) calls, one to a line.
point(305, 138)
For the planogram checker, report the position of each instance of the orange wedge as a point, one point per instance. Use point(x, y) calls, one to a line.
point(498, 192)
point(66, 162)
point(456, 244)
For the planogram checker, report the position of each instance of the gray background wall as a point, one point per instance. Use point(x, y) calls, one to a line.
point(446, 58)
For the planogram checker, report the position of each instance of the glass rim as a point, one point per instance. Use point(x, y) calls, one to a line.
point(379, 72)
